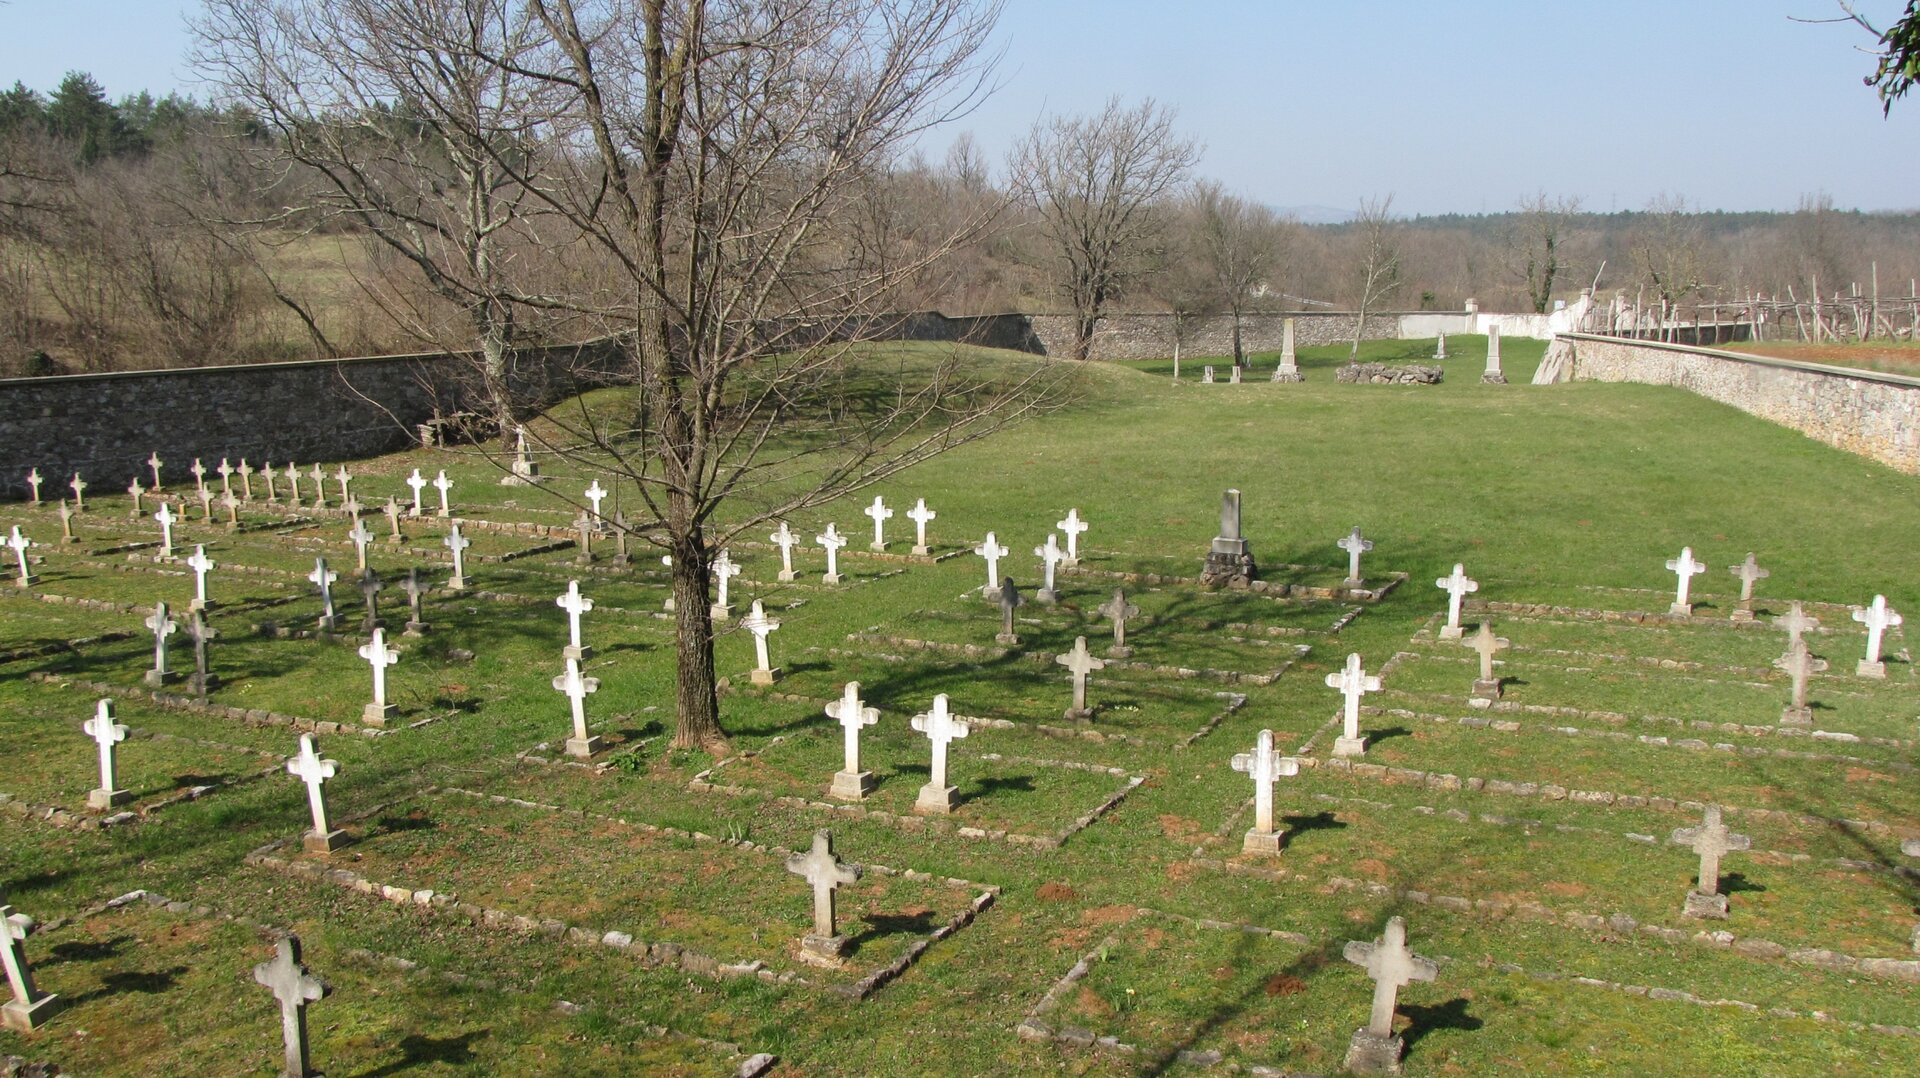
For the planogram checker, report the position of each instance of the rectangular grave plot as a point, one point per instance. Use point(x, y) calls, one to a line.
point(34, 629)
point(730, 904)
point(1715, 650)
point(71, 701)
point(1008, 780)
point(141, 982)
point(142, 586)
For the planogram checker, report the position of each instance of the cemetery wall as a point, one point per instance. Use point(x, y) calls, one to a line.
point(104, 425)
point(1866, 412)
point(1150, 336)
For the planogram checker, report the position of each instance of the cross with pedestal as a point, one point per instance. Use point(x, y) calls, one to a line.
point(379, 656)
point(226, 476)
point(79, 487)
point(1050, 556)
point(1749, 573)
point(1686, 568)
point(826, 874)
point(154, 462)
point(351, 507)
point(993, 552)
point(201, 566)
point(583, 529)
point(416, 590)
point(1374, 1049)
point(1796, 621)
point(267, 473)
point(1010, 601)
point(294, 987)
point(232, 505)
point(106, 734)
point(880, 514)
point(850, 783)
point(1118, 610)
point(1458, 586)
point(1800, 664)
point(323, 578)
point(1711, 840)
point(206, 503)
point(940, 726)
point(418, 483)
point(20, 544)
point(166, 518)
point(138, 494)
point(458, 544)
point(757, 623)
point(1074, 528)
point(724, 569)
point(201, 634)
point(575, 604)
point(784, 538)
point(1263, 765)
point(1878, 618)
point(394, 536)
point(832, 541)
point(199, 471)
point(578, 688)
point(1079, 662)
point(921, 517)
point(442, 484)
point(319, 477)
point(1355, 545)
point(66, 524)
point(595, 493)
point(293, 484)
point(361, 537)
point(163, 626)
point(314, 770)
point(30, 1008)
point(1487, 687)
point(370, 588)
point(34, 480)
point(344, 477)
point(1353, 683)
point(246, 479)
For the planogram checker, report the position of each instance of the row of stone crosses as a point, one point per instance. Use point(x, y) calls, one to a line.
point(1289, 368)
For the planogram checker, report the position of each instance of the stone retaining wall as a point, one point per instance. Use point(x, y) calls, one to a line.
point(1864, 412)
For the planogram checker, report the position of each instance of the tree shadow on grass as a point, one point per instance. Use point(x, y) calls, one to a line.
point(418, 1051)
point(1294, 826)
point(88, 950)
point(984, 788)
point(146, 982)
point(1449, 1015)
point(1737, 882)
point(1387, 733)
point(881, 925)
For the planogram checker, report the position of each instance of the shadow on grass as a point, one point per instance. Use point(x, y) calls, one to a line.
point(417, 1051)
point(1295, 826)
point(1425, 1020)
point(87, 950)
point(882, 925)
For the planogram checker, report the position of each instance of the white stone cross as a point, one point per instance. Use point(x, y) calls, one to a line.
point(784, 538)
point(137, 493)
point(993, 552)
point(106, 734)
point(880, 514)
point(757, 623)
point(379, 656)
point(594, 494)
point(1051, 556)
point(575, 604)
point(1074, 527)
point(724, 569)
point(442, 484)
point(34, 480)
point(1264, 765)
point(418, 483)
point(1118, 610)
point(206, 503)
point(267, 473)
point(832, 541)
point(1711, 840)
point(1686, 568)
point(1487, 645)
point(246, 479)
point(319, 477)
point(1796, 621)
point(921, 516)
point(66, 523)
point(19, 544)
point(294, 987)
point(163, 626)
point(1353, 682)
point(578, 688)
point(941, 727)
point(201, 566)
point(1750, 573)
point(1391, 966)
point(314, 770)
point(226, 476)
point(293, 484)
point(826, 874)
point(1457, 586)
point(1079, 662)
point(324, 578)
point(199, 471)
point(1800, 664)
point(361, 537)
point(29, 1007)
point(394, 535)
point(850, 783)
point(1354, 544)
point(166, 518)
point(458, 544)
point(232, 505)
point(1878, 618)
point(79, 487)
point(154, 462)
point(344, 477)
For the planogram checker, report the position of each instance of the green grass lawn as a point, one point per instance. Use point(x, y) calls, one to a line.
point(1564, 502)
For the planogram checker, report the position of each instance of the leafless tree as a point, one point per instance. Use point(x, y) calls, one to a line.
point(405, 116)
point(1536, 245)
point(1668, 249)
point(1098, 184)
point(1378, 272)
point(1238, 244)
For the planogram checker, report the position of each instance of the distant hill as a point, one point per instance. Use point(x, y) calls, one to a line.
point(1316, 215)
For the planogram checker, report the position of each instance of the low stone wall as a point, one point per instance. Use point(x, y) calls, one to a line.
point(1151, 336)
point(1380, 374)
point(1875, 415)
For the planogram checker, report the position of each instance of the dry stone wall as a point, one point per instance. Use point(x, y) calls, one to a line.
point(1150, 336)
point(1875, 415)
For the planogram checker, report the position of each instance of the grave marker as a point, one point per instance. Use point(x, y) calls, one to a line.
point(361, 538)
point(66, 523)
point(620, 556)
point(20, 544)
point(1206, 375)
point(232, 505)
point(106, 734)
point(1353, 682)
point(370, 588)
point(826, 874)
point(137, 493)
point(323, 578)
point(458, 544)
point(583, 538)
point(154, 462)
point(1010, 600)
point(524, 468)
point(1493, 374)
point(206, 504)
point(1458, 586)
point(921, 517)
point(993, 552)
point(880, 514)
point(1074, 527)
point(850, 783)
point(936, 797)
point(319, 477)
point(1374, 1049)
point(417, 483)
point(267, 473)
point(1229, 559)
point(166, 518)
point(1440, 347)
point(575, 604)
point(442, 484)
point(294, 987)
point(293, 484)
point(394, 535)
point(1486, 689)
point(1051, 556)
point(832, 541)
point(314, 770)
point(1749, 573)
point(226, 476)
point(162, 626)
point(34, 480)
point(1079, 663)
point(1118, 610)
point(199, 471)
point(1796, 621)
point(1878, 617)
point(1289, 368)
point(595, 494)
point(757, 623)
point(1711, 840)
point(1355, 545)
point(1800, 664)
point(201, 634)
point(30, 1008)
point(1263, 765)
point(416, 590)
point(79, 487)
point(246, 480)
point(1685, 568)
point(784, 538)
point(345, 479)
point(582, 744)
point(724, 570)
point(201, 566)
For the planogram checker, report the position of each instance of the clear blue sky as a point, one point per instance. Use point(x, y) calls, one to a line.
point(1460, 106)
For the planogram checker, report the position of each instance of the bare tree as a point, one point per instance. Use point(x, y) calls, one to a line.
point(1238, 244)
point(714, 157)
point(1378, 272)
point(1536, 245)
point(405, 117)
point(1668, 249)
point(1097, 184)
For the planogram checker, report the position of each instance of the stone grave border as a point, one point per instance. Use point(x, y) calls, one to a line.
point(59, 647)
point(852, 551)
point(544, 753)
point(250, 716)
point(650, 954)
point(1640, 660)
point(1271, 588)
point(1000, 651)
point(1839, 684)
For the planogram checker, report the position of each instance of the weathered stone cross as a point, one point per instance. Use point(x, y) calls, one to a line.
point(757, 623)
point(319, 477)
point(293, 484)
point(577, 688)
point(1355, 545)
point(232, 505)
point(1392, 966)
point(226, 476)
point(201, 566)
point(294, 987)
point(137, 493)
point(1010, 600)
point(1457, 586)
point(1353, 683)
point(201, 634)
point(163, 626)
point(1686, 568)
point(29, 1008)
point(416, 589)
point(595, 494)
point(20, 544)
point(880, 514)
point(1749, 573)
point(79, 487)
point(418, 483)
point(206, 504)
point(921, 516)
point(724, 569)
point(379, 656)
point(1796, 621)
point(458, 544)
point(106, 734)
point(166, 518)
point(34, 480)
point(370, 588)
point(575, 604)
point(1487, 687)
point(1118, 610)
point(199, 471)
point(324, 578)
point(1050, 556)
point(832, 541)
point(1711, 840)
point(66, 523)
point(1800, 664)
point(344, 477)
point(267, 473)
point(784, 538)
point(1080, 663)
point(314, 770)
point(154, 462)
point(1074, 527)
point(1878, 618)
point(850, 783)
point(940, 726)
point(1263, 765)
point(993, 552)
point(442, 484)
point(826, 874)
point(246, 479)
point(394, 535)
point(361, 537)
